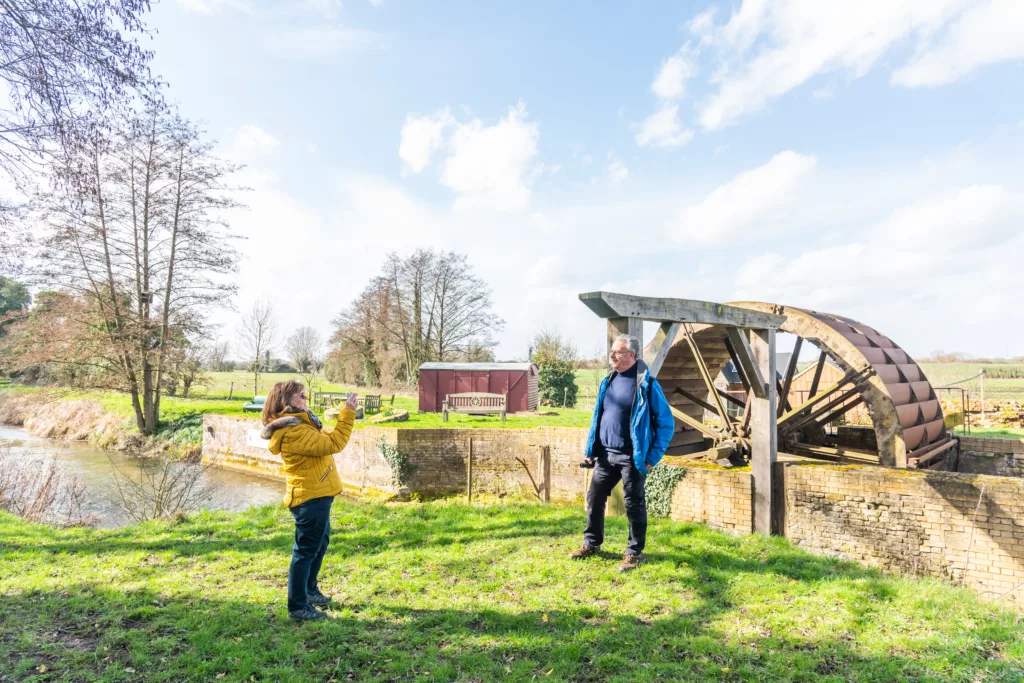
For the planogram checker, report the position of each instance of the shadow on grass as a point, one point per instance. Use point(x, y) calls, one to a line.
point(89, 631)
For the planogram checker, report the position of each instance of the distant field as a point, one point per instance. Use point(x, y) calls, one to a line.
point(1003, 381)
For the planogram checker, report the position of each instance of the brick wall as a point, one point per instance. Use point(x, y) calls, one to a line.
point(719, 498)
point(912, 521)
point(1000, 457)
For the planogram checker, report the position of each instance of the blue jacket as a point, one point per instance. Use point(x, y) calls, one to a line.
point(651, 425)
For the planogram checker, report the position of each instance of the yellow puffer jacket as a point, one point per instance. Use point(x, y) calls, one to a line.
point(308, 454)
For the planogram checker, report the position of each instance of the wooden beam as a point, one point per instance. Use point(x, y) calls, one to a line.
point(826, 409)
point(764, 440)
point(745, 356)
point(817, 374)
point(661, 345)
point(696, 424)
point(788, 380)
point(634, 327)
point(614, 305)
point(708, 379)
point(730, 398)
point(703, 404)
point(848, 378)
point(736, 364)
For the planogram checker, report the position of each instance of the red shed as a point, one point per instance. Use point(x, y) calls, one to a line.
point(516, 380)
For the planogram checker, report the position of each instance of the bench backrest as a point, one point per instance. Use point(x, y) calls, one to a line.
point(476, 400)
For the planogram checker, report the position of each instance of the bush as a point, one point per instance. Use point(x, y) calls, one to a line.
point(557, 383)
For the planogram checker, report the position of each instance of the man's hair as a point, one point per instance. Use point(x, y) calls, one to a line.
point(279, 400)
point(631, 341)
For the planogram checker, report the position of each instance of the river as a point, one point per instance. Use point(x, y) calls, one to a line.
point(95, 469)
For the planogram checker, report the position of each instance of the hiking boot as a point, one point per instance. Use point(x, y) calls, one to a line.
point(583, 552)
point(308, 614)
point(318, 599)
point(631, 561)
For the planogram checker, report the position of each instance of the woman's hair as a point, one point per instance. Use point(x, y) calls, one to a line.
point(279, 399)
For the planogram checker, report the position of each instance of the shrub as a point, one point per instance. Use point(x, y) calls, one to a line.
point(557, 383)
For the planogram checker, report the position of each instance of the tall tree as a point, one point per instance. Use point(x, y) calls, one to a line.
point(460, 311)
point(257, 336)
point(136, 227)
point(305, 350)
point(65, 65)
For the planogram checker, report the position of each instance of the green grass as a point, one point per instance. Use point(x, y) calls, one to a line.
point(996, 388)
point(449, 592)
point(994, 432)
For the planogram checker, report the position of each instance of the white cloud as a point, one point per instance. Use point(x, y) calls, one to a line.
point(910, 268)
point(490, 166)
point(767, 49)
point(322, 43)
point(663, 129)
point(985, 34)
point(617, 173)
point(670, 81)
point(251, 142)
point(421, 137)
point(210, 7)
point(746, 203)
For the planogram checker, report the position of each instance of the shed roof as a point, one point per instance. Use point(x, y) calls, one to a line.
point(477, 366)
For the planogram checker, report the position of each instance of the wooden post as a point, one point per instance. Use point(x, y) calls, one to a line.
point(469, 472)
point(763, 429)
point(544, 473)
point(231, 390)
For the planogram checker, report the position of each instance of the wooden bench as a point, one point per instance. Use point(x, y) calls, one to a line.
point(371, 403)
point(474, 403)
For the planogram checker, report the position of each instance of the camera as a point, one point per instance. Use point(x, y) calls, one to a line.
point(587, 464)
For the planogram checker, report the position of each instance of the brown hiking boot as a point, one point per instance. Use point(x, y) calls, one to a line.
point(583, 552)
point(631, 561)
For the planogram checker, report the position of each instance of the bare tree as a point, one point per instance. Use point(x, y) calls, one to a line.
point(305, 350)
point(257, 336)
point(460, 309)
point(136, 231)
point(217, 356)
point(65, 65)
point(161, 488)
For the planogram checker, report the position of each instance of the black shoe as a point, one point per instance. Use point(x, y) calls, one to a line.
point(308, 614)
point(318, 599)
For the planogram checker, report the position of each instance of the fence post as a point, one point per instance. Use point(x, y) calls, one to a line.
point(544, 473)
point(231, 391)
point(469, 472)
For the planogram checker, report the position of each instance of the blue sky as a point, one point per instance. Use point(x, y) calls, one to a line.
point(859, 158)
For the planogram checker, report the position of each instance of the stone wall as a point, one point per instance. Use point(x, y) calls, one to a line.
point(964, 527)
point(1000, 457)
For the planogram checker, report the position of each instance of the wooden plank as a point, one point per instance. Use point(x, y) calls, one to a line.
point(787, 382)
point(696, 424)
point(708, 379)
point(730, 398)
point(736, 364)
point(614, 305)
point(693, 399)
point(631, 326)
point(662, 342)
point(763, 433)
point(745, 356)
point(817, 374)
point(844, 380)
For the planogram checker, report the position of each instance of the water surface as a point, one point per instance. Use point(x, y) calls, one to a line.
point(95, 469)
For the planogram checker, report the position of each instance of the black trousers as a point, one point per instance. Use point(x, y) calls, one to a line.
point(312, 536)
point(607, 473)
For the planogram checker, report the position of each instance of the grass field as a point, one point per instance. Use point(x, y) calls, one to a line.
point(997, 387)
point(449, 592)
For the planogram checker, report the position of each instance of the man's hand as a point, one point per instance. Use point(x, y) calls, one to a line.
point(352, 402)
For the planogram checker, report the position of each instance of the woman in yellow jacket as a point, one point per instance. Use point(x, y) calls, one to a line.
point(312, 483)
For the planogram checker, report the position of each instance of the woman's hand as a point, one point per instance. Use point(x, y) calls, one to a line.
point(352, 402)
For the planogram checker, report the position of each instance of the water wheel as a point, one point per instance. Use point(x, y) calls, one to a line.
point(906, 424)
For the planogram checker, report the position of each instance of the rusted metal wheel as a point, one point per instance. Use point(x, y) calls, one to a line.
point(906, 418)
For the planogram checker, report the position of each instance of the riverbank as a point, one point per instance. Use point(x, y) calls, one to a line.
point(448, 591)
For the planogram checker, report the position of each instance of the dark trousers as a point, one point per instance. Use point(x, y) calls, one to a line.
point(312, 536)
point(608, 473)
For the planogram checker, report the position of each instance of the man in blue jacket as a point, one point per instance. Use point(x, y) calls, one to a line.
point(629, 432)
